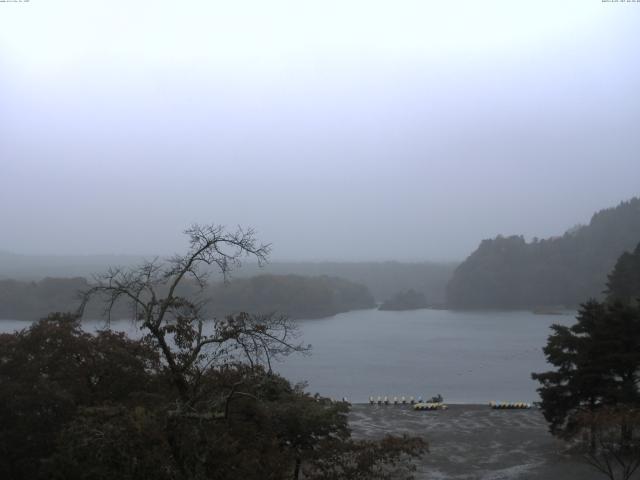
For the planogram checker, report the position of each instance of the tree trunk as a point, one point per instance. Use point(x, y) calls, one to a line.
point(296, 471)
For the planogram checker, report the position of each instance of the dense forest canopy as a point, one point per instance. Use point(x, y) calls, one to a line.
point(383, 279)
point(509, 272)
point(77, 406)
point(407, 300)
point(292, 295)
point(624, 280)
point(295, 295)
point(20, 300)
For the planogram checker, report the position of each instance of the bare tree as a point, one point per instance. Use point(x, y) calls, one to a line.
point(190, 342)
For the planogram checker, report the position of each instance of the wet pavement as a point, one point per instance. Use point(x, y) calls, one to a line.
point(475, 442)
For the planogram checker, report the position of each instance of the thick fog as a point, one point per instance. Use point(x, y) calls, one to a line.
point(356, 130)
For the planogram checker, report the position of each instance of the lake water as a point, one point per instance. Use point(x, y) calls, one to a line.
point(467, 357)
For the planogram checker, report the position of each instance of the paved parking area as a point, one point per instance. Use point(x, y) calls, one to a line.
point(475, 442)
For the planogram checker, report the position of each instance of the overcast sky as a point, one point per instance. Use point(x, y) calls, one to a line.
point(344, 130)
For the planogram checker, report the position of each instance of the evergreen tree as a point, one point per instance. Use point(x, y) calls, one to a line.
point(592, 397)
point(624, 280)
point(597, 362)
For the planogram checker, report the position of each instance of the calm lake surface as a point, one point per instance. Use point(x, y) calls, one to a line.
point(467, 357)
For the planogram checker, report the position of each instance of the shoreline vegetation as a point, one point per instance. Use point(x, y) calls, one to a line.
point(383, 278)
point(562, 312)
point(511, 273)
point(407, 300)
point(545, 276)
point(296, 296)
point(503, 274)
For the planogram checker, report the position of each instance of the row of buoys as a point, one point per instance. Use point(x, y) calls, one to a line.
point(430, 406)
point(509, 405)
point(420, 404)
point(394, 401)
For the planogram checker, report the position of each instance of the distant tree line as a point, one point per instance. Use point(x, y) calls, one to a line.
point(407, 300)
point(508, 272)
point(383, 279)
point(293, 295)
point(22, 300)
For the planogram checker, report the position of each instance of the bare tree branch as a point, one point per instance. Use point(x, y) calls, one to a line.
point(192, 344)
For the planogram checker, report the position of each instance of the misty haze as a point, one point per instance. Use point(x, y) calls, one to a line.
point(319, 240)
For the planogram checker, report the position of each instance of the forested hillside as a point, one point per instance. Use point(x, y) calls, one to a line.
point(508, 272)
point(407, 300)
point(624, 280)
point(34, 300)
point(293, 295)
point(383, 279)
